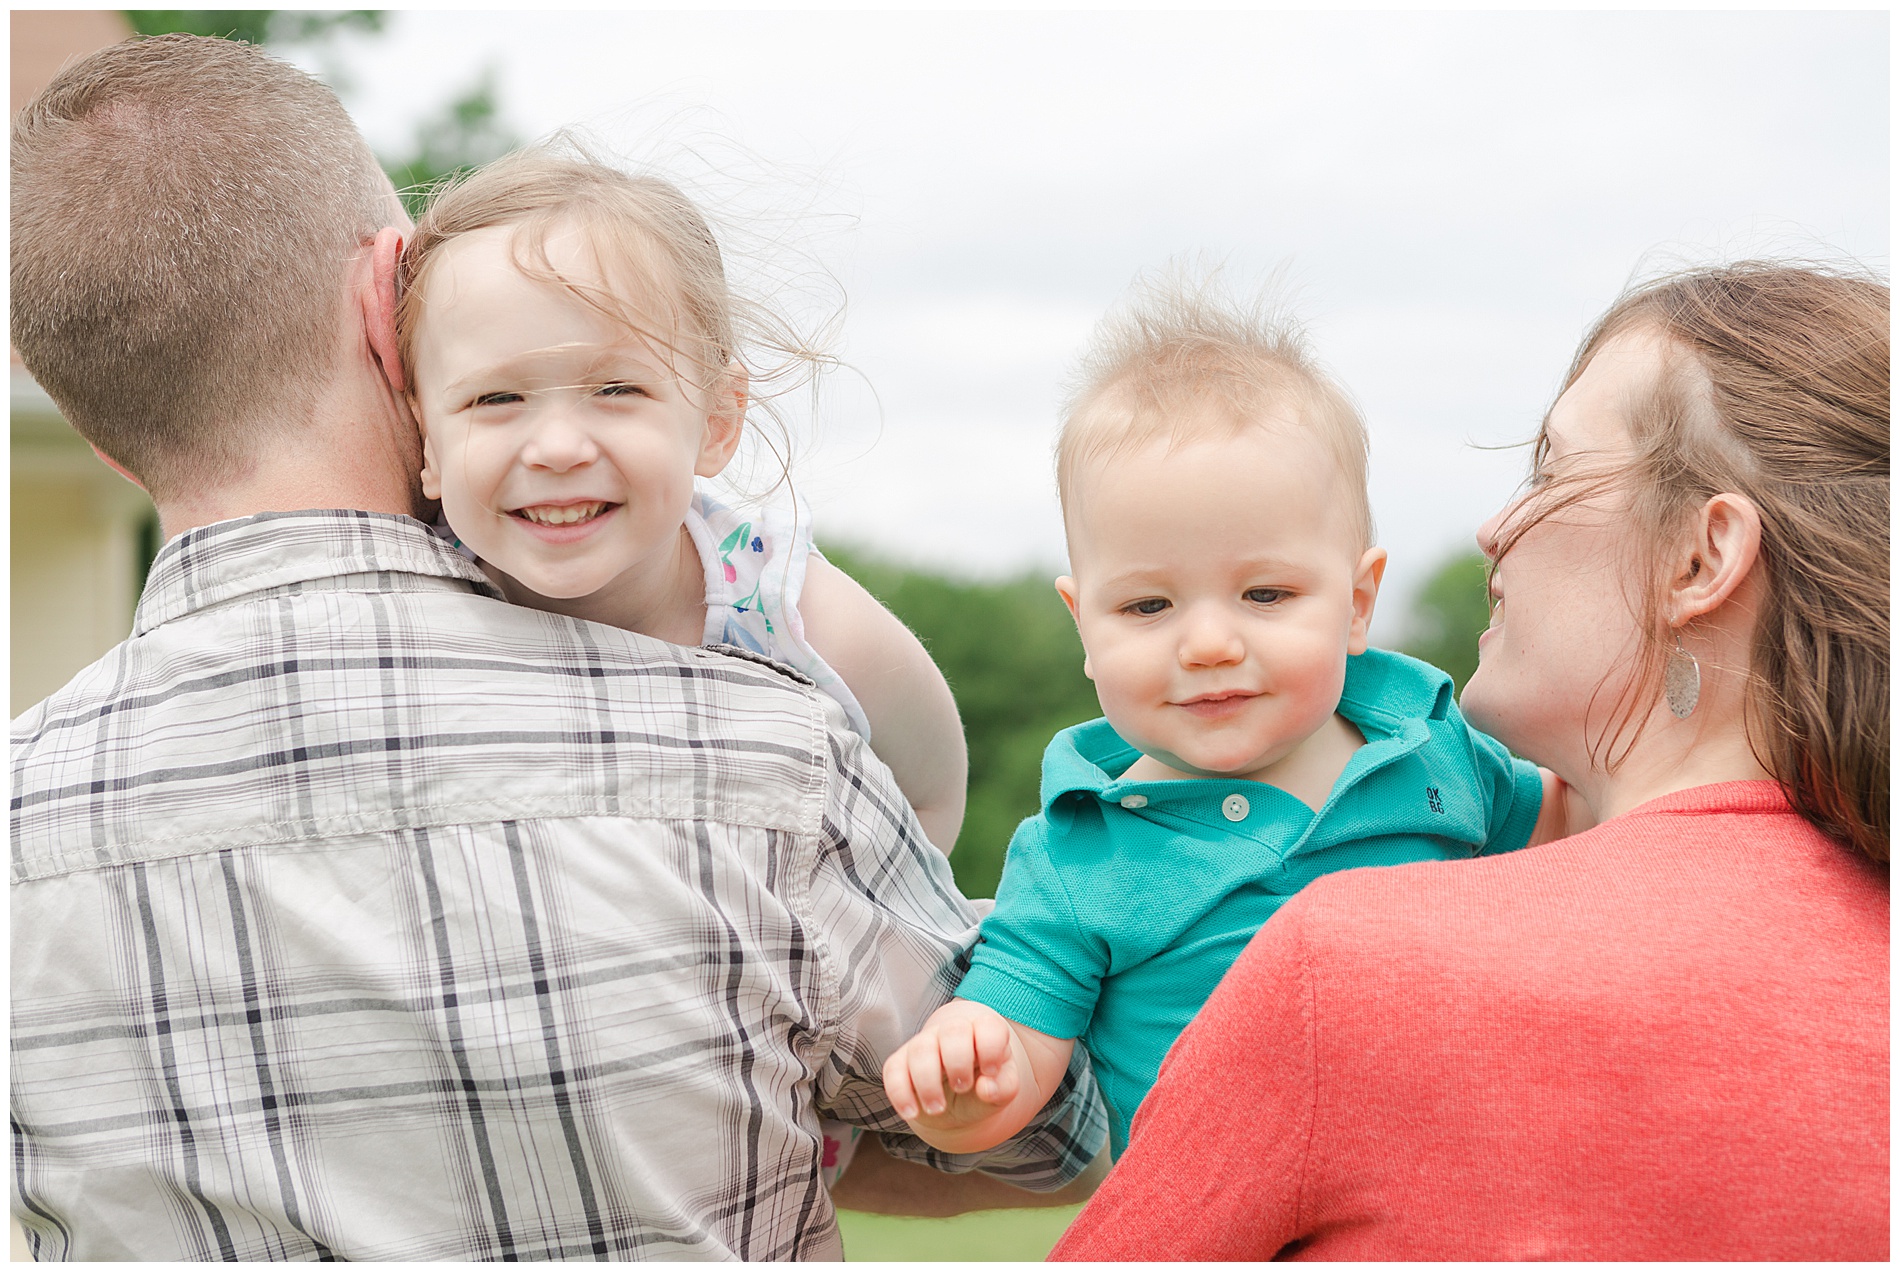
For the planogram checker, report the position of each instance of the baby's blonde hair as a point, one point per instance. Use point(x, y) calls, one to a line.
point(1179, 359)
point(665, 279)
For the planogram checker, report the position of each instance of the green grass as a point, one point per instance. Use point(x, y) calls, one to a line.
point(988, 1236)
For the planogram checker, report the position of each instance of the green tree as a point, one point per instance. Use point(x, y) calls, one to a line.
point(257, 26)
point(467, 131)
point(1451, 610)
point(1010, 653)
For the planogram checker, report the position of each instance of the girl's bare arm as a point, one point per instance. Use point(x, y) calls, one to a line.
point(914, 724)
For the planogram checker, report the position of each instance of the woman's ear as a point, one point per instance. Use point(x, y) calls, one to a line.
point(725, 422)
point(1723, 546)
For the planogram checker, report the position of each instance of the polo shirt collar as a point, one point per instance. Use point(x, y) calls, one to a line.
point(1389, 697)
point(229, 559)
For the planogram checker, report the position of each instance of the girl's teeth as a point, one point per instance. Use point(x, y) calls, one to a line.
point(562, 516)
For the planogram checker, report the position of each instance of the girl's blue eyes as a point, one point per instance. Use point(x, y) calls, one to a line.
point(1265, 595)
point(511, 398)
point(1148, 608)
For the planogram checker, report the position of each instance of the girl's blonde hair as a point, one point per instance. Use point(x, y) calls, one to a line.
point(665, 280)
point(1791, 410)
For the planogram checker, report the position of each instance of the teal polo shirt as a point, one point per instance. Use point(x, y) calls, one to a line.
point(1123, 903)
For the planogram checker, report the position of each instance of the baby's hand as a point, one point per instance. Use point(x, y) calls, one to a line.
point(959, 1072)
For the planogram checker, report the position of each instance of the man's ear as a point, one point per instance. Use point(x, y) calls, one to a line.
point(1719, 555)
point(1366, 578)
point(1065, 588)
point(379, 305)
point(725, 422)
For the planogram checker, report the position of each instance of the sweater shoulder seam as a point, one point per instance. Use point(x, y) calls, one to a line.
point(1310, 1014)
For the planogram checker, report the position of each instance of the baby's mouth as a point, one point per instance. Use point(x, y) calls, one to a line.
point(1213, 706)
point(562, 514)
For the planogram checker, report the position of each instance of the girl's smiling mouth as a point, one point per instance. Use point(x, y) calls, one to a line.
point(561, 523)
point(549, 514)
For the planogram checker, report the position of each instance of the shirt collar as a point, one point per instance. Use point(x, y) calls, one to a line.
point(1388, 696)
point(229, 559)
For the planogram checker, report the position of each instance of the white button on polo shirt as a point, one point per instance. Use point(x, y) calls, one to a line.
point(1234, 808)
point(1134, 801)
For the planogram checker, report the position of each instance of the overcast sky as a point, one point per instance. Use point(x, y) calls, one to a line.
point(1450, 198)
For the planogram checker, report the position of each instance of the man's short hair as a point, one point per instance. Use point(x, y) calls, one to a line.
point(1179, 360)
point(184, 213)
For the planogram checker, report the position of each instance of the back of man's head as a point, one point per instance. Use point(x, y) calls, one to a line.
point(185, 211)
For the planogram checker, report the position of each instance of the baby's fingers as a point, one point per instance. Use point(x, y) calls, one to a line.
point(991, 1040)
point(957, 1047)
point(924, 1068)
point(1001, 1079)
point(897, 1086)
point(998, 1077)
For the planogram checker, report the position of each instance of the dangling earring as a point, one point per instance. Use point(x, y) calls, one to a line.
point(1682, 681)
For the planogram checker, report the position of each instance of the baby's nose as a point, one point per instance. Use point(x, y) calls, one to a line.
point(1207, 641)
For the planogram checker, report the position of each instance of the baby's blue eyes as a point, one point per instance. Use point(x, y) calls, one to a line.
point(497, 399)
point(1149, 606)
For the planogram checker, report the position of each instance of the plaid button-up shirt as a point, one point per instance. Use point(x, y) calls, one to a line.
point(359, 914)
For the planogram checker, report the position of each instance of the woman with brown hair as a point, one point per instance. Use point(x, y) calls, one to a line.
point(1663, 1038)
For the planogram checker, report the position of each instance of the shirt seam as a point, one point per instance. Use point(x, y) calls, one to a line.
point(810, 860)
point(1033, 990)
point(319, 834)
point(1309, 1011)
point(1078, 934)
point(1074, 921)
point(242, 586)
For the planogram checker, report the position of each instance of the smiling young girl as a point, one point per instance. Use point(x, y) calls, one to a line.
point(576, 358)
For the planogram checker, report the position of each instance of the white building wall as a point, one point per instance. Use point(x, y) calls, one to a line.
point(76, 549)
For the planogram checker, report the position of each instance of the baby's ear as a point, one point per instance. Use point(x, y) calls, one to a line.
point(725, 422)
point(1065, 588)
point(1366, 577)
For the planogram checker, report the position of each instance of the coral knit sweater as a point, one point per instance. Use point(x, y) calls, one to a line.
point(1665, 1038)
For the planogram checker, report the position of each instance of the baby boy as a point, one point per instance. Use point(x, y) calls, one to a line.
point(1213, 485)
